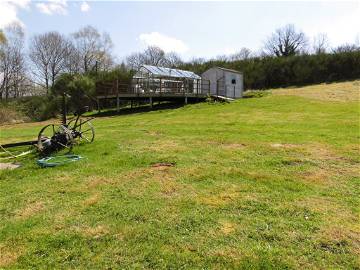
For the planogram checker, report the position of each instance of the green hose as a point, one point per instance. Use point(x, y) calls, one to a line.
point(57, 160)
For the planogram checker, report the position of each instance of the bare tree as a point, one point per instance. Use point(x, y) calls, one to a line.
point(12, 62)
point(320, 43)
point(153, 55)
point(197, 61)
point(286, 41)
point(243, 54)
point(172, 60)
point(2, 37)
point(72, 61)
point(346, 48)
point(221, 57)
point(49, 54)
point(134, 61)
point(93, 48)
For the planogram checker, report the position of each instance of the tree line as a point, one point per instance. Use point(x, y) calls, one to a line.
point(35, 70)
point(288, 57)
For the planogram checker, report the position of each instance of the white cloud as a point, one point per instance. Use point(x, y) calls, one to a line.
point(85, 7)
point(168, 44)
point(9, 11)
point(51, 7)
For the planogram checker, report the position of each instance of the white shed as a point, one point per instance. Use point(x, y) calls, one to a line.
point(225, 82)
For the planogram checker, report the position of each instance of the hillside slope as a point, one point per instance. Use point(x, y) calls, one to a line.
point(269, 182)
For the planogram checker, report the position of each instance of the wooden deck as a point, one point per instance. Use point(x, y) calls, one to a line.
point(150, 95)
point(135, 91)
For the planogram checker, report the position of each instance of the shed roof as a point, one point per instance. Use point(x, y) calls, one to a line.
point(170, 72)
point(229, 70)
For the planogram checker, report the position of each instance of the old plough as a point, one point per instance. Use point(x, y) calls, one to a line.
point(53, 138)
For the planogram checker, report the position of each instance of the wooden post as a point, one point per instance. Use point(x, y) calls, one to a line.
point(160, 86)
point(64, 112)
point(117, 97)
point(151, 102)
point(98, 105)
point(186, 101)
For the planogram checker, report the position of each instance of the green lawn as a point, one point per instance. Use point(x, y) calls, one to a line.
point(269, 182)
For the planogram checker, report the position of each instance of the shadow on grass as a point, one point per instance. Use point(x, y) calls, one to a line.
point(140, 109)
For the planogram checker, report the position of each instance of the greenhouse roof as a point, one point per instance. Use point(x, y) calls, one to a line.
point(170, 72)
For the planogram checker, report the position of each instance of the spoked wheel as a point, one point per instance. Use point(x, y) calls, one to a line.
point(82, 130)
point(54, 138)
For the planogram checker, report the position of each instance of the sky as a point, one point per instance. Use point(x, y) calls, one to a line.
point(191, 28)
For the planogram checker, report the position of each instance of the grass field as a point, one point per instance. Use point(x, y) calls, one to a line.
point(269, 182)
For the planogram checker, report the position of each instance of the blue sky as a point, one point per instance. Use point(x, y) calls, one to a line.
point(193, 29)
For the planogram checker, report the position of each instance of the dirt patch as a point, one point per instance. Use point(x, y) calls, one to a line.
point(153, 133)
point(9, 166)
point(8, 256)
point(220, 199)
point(234, 145)
point(164, 145)
point(227, 227)
point(31, 209)
point(94, 232)
point(328, 166)
point(92, 200)
point(339, 240)
point(294, 162)
point(284, 145)
point(327, 159)
point(96, 181)
point(317, 176)
point(163, 165)
point(170, 189)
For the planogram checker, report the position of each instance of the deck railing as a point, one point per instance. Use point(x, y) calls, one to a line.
point(158, 87)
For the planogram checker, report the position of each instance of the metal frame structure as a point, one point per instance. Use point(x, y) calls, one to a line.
point(156, 83)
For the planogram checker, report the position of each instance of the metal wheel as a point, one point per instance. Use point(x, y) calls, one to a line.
point(54, 138)
point(82, 130)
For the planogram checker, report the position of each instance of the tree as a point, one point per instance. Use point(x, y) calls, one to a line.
point(172, 60)
point(346, 48)
point(78, 89)
point(320, 43)
point(12, 62)
point(286, 41)
point(93, 49)
point(2, 37)
point(243, 54)
point(49, 54)
point(154, 56)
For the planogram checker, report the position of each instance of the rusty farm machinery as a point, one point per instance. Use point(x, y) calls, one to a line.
point(53, 138)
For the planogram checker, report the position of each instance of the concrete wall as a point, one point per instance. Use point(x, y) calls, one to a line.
point(231, 84)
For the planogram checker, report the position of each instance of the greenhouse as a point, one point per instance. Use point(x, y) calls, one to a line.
point(153, 79)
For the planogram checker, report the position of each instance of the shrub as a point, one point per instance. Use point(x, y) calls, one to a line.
point(39, 108)
point(255, 94)
point(274, 72)
point(78, 90)
point(10, 115)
